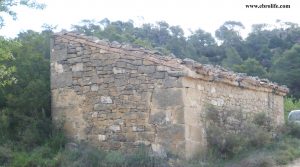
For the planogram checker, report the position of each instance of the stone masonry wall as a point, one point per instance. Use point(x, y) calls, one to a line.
point(115, 100)
point(232, 102)
point(118, 96)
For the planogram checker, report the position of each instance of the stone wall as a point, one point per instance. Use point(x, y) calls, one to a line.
point(118, 96)
point(237, 105)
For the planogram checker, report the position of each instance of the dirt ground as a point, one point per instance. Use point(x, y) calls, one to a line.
point(295, 163)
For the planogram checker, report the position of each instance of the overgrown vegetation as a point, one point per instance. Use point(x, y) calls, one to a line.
point(79, 156)
point(253, 145)
point(228, 135)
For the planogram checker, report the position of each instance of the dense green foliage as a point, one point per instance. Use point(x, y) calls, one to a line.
point(6, 67)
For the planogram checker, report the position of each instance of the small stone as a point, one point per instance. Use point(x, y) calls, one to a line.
point(146, 69)
point(106, 100)
point(77, 67)
point(58, 68)
point(94, 88)
point(213, 90)
point(159, 75)
point(100, 107)
point(115, 44)
point(86, 89)
point(74, 60)
point(200, 87)
point(115, 128)
point(103, 51)
point(177, 73)
point(101, 137)
point(162, 68)
point(147, 62)
point(188, 61)
point(137, 62)
point(138, 128)
point(118, 70)
point(94, 114)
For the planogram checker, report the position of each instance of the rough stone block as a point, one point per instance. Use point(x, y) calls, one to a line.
point(77, 67)
point(163, 98)
point(94, 88)
point(118, 70)
point(147, 62)
point(61, 80)
point(138, 128)
point(59, 54)
point(115, 128)
point(106, 100)
point(58, 68)
point(195, 133)
point(158, 118)
point(137, 62)
point(118, 137)
point(159, 75)
point(146, 69)
point(176, 73)
point(171, 133)
point(172, 82)
point(162, 68)
point(74, 60)
point(99, 107)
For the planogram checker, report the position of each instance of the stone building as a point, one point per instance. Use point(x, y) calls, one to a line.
point(118, 96)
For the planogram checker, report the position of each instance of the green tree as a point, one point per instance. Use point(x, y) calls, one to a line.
point(7, 5)
point(232, 58)
point(25, 112)
point(229, 32)
point(251, 67)
point(6, 58)
point(6, 46)
point(286, 70)
point(202, 47)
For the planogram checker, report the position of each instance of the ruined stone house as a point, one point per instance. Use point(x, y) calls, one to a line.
point(117, 96)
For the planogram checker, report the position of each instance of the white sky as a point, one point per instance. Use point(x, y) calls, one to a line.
point(189, 14)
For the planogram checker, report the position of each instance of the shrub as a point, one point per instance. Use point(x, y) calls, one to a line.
point(283, 157)
point(228, 143)
point(41, 156)
point(286, 150)
point(6, 155)
point(114, 159)
point(257, 161)
point(57, 139)
point(225, 144)
point(142, 158)
point(84, 155)
point(293, 129)
point(88, 156)
point(256, 136)
point(262, 120)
